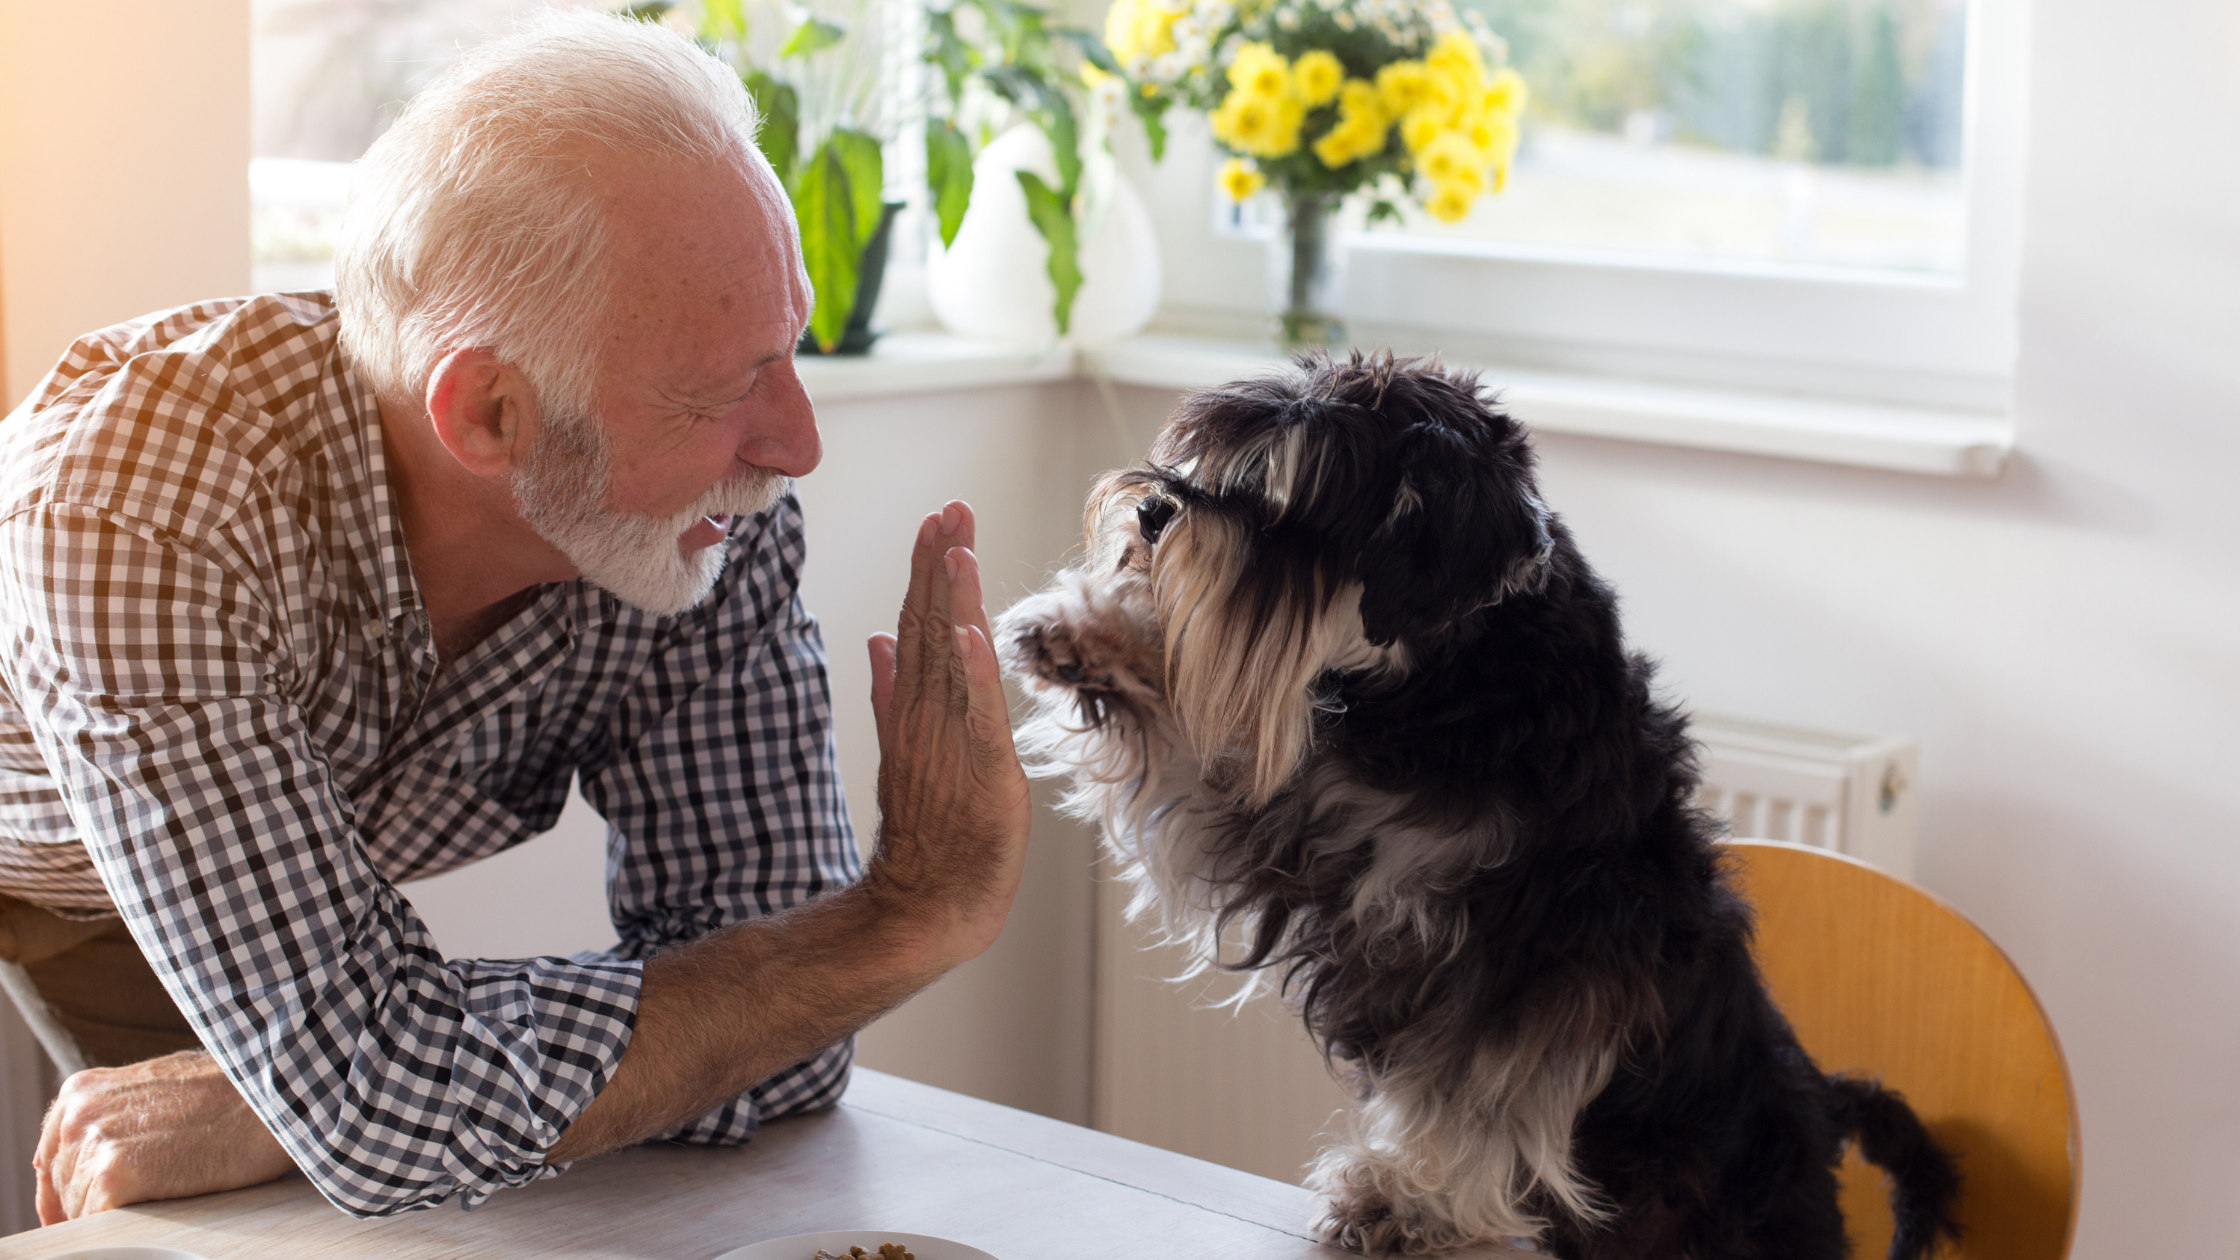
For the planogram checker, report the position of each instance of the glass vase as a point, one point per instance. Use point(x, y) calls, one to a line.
point(1307, 272)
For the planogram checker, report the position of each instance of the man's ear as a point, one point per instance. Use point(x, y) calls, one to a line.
point(482, 410)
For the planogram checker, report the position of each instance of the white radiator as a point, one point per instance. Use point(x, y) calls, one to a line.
point(1850, 793)
point(1248, 1090)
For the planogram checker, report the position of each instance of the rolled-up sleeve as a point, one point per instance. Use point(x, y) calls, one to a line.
point(722, 789)
point(160, 692)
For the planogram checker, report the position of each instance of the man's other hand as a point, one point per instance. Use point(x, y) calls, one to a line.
point(953, 802)
point(164, 1129)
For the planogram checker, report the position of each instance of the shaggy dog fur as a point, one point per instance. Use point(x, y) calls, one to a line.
point(1338, 686)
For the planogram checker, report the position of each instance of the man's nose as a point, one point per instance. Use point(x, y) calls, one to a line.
point(788, 439)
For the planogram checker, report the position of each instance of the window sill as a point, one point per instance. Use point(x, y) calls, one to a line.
point(1903, 439)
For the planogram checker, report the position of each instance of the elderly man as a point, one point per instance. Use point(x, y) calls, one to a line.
point(306, 597)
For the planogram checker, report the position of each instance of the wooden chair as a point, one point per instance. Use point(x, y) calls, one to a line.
point(1883, 980)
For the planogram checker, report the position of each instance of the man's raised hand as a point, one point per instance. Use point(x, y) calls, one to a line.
point(953, 801)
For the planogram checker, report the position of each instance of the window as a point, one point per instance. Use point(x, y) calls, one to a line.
point(327, 77)
point(1820, 132)
point(1818, 196)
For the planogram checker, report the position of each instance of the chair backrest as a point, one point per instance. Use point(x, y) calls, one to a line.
point(1883, 980)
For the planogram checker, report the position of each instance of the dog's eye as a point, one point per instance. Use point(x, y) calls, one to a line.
point(1152, 516)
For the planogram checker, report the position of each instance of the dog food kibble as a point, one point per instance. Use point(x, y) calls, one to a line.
point(887, 1251)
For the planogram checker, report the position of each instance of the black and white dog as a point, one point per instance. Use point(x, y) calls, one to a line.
point(1335, 682)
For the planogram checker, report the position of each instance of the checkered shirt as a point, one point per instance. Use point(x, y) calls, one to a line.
point(221, 715)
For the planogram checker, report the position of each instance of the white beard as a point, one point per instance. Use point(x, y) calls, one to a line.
point(561, 491)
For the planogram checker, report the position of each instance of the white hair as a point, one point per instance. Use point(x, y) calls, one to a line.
point(474, 222)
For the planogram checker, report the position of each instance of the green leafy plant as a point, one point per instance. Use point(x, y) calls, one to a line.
point(836, 190)
point(821, 108)
point(1001, 60)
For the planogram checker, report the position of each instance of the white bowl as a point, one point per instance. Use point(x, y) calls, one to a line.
point(837, 1241)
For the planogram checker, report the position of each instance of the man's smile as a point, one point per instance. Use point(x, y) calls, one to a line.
point(705, 532)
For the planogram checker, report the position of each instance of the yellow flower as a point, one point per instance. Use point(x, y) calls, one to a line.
point(1401, 86)
point(1506, 94)
point(1352, 138)
point(1359, 99)
point(1289, 115)
point(1420, 128)
point(1257, 124)
point(1259, 69)
point(1120, 28)
point(1452, 160)
point(1449, 203)
point(1456, 54)
point(1136, 29)
point(1317, 75)
point(1240, 179)
point(1335, 149)
point(1447, 94)
point(1224, 120)
point(1494, 135)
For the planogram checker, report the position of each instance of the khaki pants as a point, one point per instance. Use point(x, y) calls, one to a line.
point(96, 984)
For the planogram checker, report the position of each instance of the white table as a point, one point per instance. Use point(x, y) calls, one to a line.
point(895, 1155)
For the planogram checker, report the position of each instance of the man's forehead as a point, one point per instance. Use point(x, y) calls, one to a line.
point(704, 250)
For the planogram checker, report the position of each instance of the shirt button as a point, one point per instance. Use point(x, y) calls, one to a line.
point(375, 630)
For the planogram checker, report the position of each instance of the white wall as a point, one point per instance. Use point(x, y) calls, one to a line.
point(124, 168)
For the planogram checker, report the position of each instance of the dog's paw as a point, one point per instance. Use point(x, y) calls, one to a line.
point(1078, 639)
point(1054, 652)
point(1367, 1224)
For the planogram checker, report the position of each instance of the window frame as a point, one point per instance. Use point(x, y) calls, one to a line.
point(1915, 339)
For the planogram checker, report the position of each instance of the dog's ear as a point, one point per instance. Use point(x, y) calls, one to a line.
point(1464, 528)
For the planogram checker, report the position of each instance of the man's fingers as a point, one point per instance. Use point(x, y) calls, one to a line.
point(108, 1187)
point(913, 603)
point(967, 523)
point(937, 646)
point(983, 679)
point(967, 602)
point(882, 686)
point(50, 1203)
point(990, 709)
point(59, 1138)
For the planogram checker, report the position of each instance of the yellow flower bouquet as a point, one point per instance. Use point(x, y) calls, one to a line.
point(1397, 100)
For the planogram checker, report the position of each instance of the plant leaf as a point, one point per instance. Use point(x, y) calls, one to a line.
point(650, 11)
point(1052, 112)
point(1152, 111)
point(948, 50)
point(948, 175)
point(779, 136)
point(1092, 49)
point(723, 19)
point(823, 206)
point(813, 35)
point(858, 155)
point(1065, 142)
point(1053, 217)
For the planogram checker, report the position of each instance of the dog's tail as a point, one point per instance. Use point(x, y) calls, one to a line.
point(1924, 1182)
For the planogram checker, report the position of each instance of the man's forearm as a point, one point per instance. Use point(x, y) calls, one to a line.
point(733, 1009)
point(723, 1013)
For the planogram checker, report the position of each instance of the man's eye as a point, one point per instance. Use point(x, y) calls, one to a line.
point(1152, 516)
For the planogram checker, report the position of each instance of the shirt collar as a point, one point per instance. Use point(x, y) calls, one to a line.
point(372, 522)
